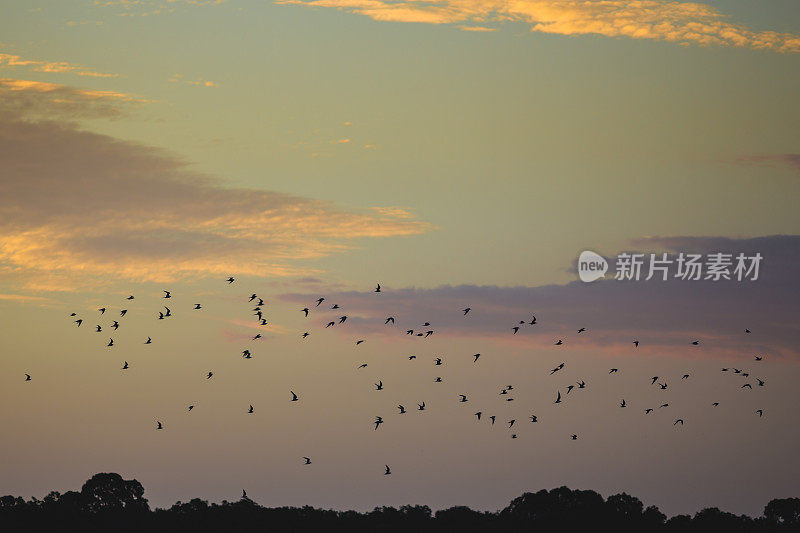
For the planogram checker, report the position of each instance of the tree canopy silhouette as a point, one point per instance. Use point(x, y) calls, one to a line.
point(107, 502)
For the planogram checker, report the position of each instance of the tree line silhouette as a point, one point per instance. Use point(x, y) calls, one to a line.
point(107, 502)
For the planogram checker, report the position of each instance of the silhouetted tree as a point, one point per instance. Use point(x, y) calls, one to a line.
point(109, 492)
point(109, 503)
point(784, 511)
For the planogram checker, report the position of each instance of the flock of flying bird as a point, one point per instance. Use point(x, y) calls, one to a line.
point(426, 331)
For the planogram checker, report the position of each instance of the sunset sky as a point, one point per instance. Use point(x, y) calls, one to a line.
point(462, 153)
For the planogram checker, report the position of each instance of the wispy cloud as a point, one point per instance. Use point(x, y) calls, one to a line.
point(663, 20)
point(178, 78)
point(15, 61)
point(41, 99)
point(75, 205)
point(772, 160)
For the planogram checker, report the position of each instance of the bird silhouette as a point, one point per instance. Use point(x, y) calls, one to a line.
point(534, 418)
point(379, 385)
point(79, 322)
point(574, 437)
point(230, 280)
point(294, 396)
point(467, 310)
point(636, 343)
point(648, 411)
point(478, 414)
point(209, 375)
point(110, 342)
point(421, 406)
point(125, 366)
point(402, 409)
point(581, 330)
point(198, 306)
point(476, 357)
point(250, 411)
point(319, 301)
point(191, 407)
point(695, 343)
point(389, 319)
point(516, 329)
point(363, 365)
point(613, 371)
point(307, 461)
point(438, 379)
point(388, 470)
point(378, 288)
point(160, 425)
point(102, 310)
point(559, 342)
point(760, 412)
point(359, 342)
point(463, 398)
point(306, 334)
point(27, 377)
point(558, 399)
point(167, 294)
point(438, 361)
point(492, 419)
point(678, 420)
point(378, 422)
point(622, 403)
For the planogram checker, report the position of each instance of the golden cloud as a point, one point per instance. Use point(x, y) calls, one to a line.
point(15, 61)
point(76, 205)
point(663, 20)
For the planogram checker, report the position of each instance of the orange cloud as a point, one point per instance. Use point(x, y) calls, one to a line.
point(15, 61)
point(42, 99)
point(77, 206)
point(663, 20)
